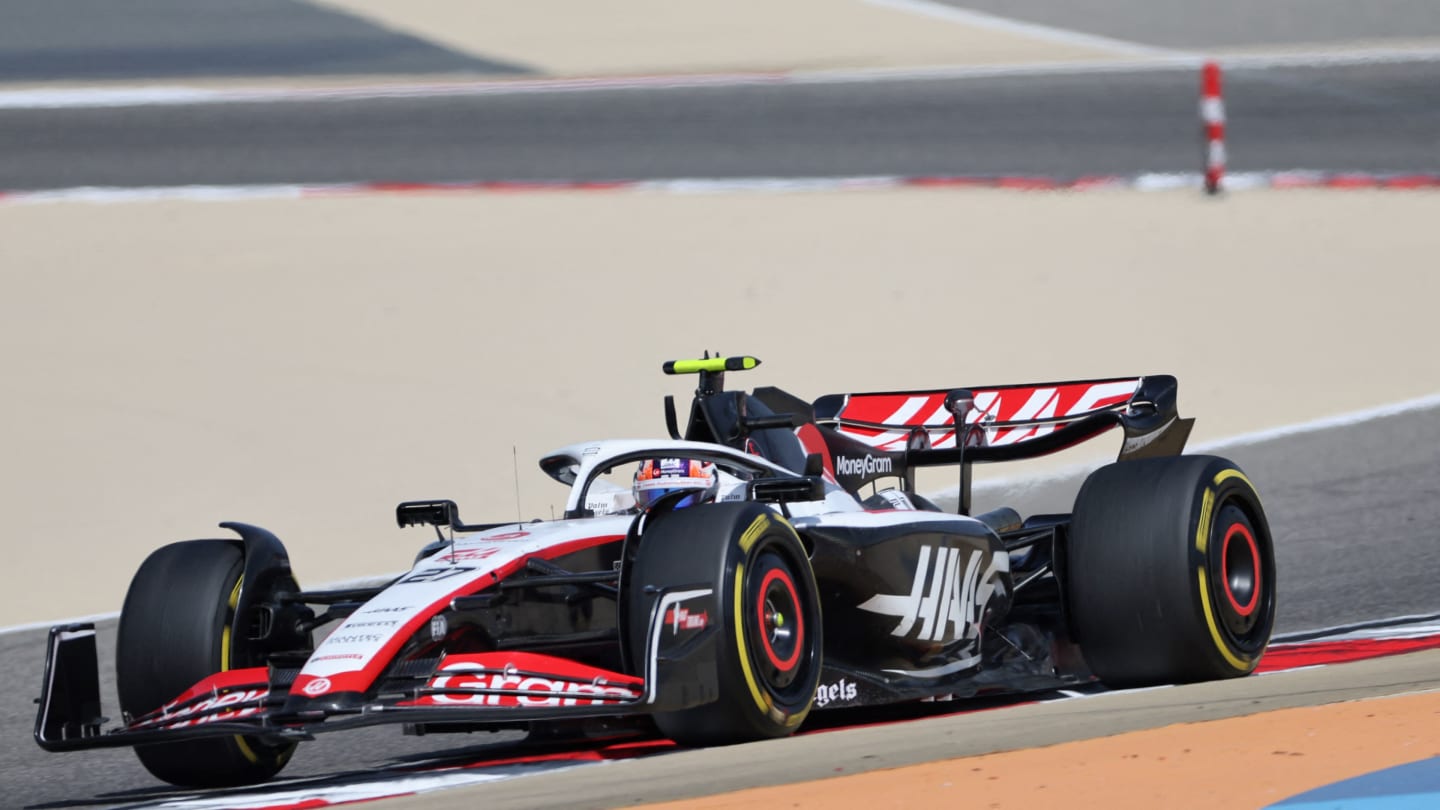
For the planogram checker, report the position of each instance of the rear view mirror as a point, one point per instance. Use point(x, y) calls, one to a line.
point(427, 513)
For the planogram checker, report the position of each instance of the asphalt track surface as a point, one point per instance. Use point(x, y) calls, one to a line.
point(1375, 118)
point(1354, 511)
point(168, 39)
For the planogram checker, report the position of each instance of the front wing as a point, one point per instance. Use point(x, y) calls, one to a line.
point(500, 688)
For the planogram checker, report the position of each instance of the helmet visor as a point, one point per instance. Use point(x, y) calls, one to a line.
point(659, 478)
point(648, 493)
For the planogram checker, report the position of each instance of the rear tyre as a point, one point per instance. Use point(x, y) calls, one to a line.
point(1171, 572)
point(177, 627)
point(769, 632)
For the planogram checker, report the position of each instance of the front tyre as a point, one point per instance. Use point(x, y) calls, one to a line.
point(177, 627)
point(769, 653)
point(1171, 572)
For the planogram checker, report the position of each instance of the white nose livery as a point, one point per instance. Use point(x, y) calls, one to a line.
point(352, 657)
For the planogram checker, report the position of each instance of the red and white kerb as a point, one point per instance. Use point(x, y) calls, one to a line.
point(1212, 120)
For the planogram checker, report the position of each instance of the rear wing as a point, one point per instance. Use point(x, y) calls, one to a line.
point(1006, 422)
point(1010, 422)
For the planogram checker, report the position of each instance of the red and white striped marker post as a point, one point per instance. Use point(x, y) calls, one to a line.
point(1212, 120)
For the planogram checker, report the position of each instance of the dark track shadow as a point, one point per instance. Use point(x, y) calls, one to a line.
point(171, 39)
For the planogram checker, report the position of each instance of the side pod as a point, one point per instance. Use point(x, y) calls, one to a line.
point(70, 697)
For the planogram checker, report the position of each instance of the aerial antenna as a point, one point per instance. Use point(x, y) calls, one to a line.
point(515, 467)
point(451, 520)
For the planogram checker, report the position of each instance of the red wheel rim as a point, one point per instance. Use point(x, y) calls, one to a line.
point(773, 621)
point(1247, 577)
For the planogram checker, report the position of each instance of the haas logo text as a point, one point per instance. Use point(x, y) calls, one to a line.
point(945, 600)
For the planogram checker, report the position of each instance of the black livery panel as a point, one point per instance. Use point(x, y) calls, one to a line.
point(907, 604)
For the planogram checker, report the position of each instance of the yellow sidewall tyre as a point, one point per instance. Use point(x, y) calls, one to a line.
point(769, 627)
point(178, 626)
point(1170, 572)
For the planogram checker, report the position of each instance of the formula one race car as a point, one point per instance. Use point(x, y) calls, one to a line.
point(721, 612)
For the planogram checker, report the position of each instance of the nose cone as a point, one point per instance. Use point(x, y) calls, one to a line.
point(301, 705)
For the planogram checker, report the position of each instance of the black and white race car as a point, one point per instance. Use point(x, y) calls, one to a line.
point(732, 619)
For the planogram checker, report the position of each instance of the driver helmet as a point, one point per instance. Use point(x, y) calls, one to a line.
point(658, 477)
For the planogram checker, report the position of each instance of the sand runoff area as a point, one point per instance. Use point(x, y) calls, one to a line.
point(1249, 761)
point(304, 365)
point(658, 36)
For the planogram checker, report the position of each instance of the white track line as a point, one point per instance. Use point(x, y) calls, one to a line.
point(1046, 33)
point(20, 628)
point(169, 96)
point(1151, 181)
point(1412, 626)
point(173, 96)
point(121, 194)
point(1323, 423)
point(1324, 58)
